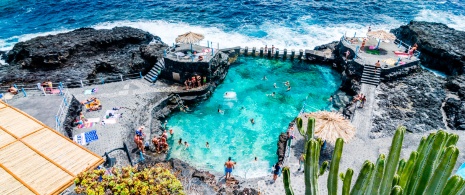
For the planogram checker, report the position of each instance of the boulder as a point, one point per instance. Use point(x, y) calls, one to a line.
point(442, 48)
point(455, 112)
point(84, 53)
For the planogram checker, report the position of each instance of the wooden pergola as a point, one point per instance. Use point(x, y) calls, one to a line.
point(36, 159)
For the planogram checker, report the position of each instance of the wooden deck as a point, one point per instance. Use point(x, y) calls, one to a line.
point(34, 158)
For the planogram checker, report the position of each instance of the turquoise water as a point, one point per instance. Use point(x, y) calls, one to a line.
point(231, 134)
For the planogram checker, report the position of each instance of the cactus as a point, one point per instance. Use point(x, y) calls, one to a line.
point(323, 168)
point(299, 126)
point(287, 181)
point(311, 167)
point(396, 190)
point(363, 179)
point(400, 167)
point(310, 128)
point(377, 175)
point(427, 171)
point(392, 161)
point(432, 155)
point(452, 185)
point(443, 171)
point(346, 181)
point(407, 172)
point(459, 186)
point(334, 169)
point(422, 151)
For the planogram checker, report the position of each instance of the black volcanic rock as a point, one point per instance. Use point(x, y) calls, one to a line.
point(455, 112)
point(442, 48)
point(84, 53)
point(414, 101)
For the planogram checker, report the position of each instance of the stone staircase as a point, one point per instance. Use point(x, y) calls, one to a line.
point(369, 76)
point(156, 70)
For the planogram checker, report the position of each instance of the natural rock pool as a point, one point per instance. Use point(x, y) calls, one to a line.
point(231, 134)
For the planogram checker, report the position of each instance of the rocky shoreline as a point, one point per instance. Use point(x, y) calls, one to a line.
point(82, 54)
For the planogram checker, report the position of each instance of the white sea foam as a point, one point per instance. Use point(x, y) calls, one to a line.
point(7, 44)
point(304, 36)
point(450, 19)
point(307, 36)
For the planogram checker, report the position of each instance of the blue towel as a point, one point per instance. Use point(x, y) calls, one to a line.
point(91, 136)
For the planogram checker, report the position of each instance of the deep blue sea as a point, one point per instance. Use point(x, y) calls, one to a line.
point(285, 24)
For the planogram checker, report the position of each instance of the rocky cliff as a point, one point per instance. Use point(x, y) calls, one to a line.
point(84, 53)
point(414, 101)
point(442, 48)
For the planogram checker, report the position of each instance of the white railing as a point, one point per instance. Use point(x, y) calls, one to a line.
point(62, 110)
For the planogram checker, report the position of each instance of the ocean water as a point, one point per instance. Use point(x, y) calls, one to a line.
point(296, 24)
point(231, 134)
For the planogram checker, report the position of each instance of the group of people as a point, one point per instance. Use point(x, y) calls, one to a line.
point(160, 143)
point(47, 85)
point(360, 98)
point(92, 104)
point(195, 81)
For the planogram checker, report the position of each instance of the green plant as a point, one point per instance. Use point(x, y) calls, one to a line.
point(427, 171)
point(334, 168)
point(129, 180)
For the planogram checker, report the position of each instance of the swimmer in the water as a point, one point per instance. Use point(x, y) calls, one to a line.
point(274, 85)
point(272, 94)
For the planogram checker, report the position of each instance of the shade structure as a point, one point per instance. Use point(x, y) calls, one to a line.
point(34, 158)
point(381, 34)
point(189, 38)
point(331, 125)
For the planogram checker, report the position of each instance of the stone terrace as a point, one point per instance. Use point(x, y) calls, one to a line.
point(386, 52)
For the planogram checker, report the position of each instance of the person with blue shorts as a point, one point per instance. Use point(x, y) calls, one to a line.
point(229, 166)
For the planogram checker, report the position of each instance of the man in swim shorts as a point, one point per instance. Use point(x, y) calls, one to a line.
point(229, 166)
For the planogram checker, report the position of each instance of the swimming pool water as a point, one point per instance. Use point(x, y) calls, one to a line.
point(231, 134)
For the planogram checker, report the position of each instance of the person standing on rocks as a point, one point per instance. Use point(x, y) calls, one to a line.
point(377, 66)
point(277, 170)
point(347, 54)
point(229, 166)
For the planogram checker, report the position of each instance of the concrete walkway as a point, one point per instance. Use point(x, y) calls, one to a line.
point(362, 116)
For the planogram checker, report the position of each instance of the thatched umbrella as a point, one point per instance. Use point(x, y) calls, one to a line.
point(381, 35)
point(189, 38)
point(331, 125)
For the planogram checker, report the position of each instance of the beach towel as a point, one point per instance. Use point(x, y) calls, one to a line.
point(90, 91)
point(8, 96)
point(54, 91)
point(87, 125)
point(111, 114)
point(85, 138)
point(93, 120)
point(109, 121)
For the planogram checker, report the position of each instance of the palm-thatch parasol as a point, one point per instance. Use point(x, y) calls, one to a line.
point(189, 38)
point(381, 35)
point(331, 125)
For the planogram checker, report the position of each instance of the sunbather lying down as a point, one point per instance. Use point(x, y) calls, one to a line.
point(92, 104)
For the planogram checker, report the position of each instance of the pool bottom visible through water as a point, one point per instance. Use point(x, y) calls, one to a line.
point(231, 134)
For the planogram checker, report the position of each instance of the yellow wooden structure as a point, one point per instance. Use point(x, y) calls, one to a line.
point(36, 159)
